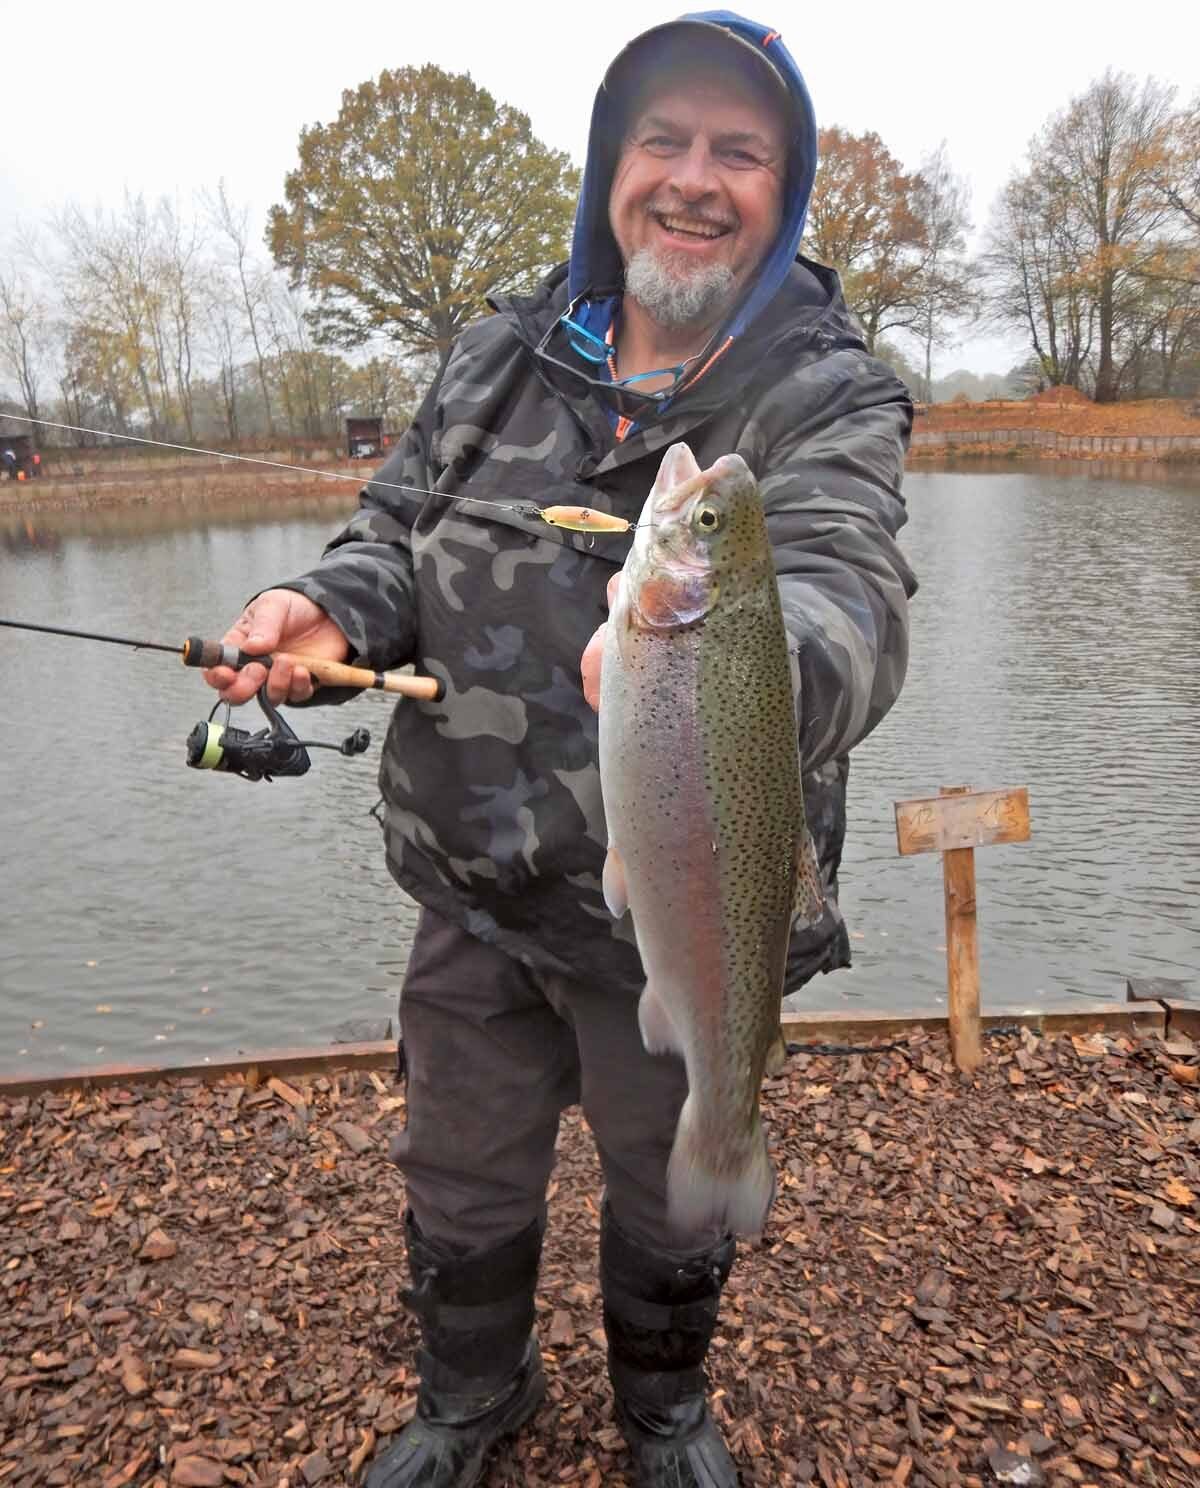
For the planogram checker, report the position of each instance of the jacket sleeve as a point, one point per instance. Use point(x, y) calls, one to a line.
point(834, 436)
point(364, 580)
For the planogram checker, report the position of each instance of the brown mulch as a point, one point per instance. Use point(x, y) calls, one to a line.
point(201, 1284)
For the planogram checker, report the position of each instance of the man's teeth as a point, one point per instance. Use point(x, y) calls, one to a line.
point(691, 227)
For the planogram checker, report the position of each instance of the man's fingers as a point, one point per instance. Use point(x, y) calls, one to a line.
point(302, 687)
point(289, 682)
point(242, 685)
point(613, 585)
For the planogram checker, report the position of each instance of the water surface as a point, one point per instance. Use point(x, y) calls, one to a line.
point(151, 912)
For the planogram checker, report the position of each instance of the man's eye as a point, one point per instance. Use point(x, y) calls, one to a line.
point(742, 158)
point(660, 142)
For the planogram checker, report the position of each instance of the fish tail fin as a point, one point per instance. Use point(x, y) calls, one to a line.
point(737, 1198)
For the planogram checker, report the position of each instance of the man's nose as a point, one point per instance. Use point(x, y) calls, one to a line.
point(695, 172)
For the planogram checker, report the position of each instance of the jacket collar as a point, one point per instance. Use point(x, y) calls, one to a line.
point(808, 313)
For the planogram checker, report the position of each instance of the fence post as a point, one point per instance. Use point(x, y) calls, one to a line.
point(962, 950)
point(955, 823)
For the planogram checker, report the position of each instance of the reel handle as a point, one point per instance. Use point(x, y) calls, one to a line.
point(201, 653)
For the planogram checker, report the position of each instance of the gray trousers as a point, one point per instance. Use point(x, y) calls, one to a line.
point(495, 1052)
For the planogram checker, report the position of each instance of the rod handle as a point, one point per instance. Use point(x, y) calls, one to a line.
point(338, 674)
point(197, 652)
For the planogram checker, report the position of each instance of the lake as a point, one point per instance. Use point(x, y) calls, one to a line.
point(149, 912)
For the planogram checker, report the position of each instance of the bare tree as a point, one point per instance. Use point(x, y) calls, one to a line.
point(942, 292)
point(253, 282)
point(25, 336)
point(1032, 261)
point(1102, 153)
point(180, 274)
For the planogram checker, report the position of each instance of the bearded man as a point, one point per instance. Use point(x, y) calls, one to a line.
point(683, 314)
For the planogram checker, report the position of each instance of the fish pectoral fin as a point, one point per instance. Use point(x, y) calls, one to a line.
point(808, 904)
point(776, 1056)
point(616, 894)
point(659, 1035)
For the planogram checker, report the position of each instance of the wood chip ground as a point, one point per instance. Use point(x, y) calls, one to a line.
point(201, 1284)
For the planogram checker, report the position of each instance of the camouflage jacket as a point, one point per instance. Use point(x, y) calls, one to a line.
point(493, 808)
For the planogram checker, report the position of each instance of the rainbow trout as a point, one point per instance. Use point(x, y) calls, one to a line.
point(708, 846)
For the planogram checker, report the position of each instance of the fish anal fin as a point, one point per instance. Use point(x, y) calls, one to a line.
point(776, 1056)
point(808, 904)
point(659, 1034)
point(616, 892)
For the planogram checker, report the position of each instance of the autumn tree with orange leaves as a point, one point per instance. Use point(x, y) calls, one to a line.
point(862, 221)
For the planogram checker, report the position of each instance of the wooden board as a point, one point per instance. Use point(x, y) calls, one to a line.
point(973, 819)
point(1182, 1017)
point(820, 1026)
point(1160, 989)
point(268, 1062)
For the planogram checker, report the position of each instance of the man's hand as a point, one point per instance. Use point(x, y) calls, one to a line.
point(278, 620)
point(593, 653)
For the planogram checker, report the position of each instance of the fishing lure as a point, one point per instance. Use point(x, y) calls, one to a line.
point(574, 518)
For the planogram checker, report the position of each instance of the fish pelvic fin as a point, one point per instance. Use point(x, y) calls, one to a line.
point(659, 1034)
point(699, 1197)
point(616, 892)
point(808, 904)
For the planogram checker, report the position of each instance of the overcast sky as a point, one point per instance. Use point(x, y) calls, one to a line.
point(168, 98)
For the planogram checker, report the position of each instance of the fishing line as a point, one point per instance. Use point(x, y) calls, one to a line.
point(575, 519)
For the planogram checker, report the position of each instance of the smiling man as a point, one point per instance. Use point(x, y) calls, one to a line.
point(697, 193)
point(684, 313)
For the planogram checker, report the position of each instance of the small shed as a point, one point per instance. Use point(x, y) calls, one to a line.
point(22, 448)
point(364, 437)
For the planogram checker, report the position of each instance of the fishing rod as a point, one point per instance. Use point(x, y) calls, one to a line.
point(275, 750)
point(573, 518)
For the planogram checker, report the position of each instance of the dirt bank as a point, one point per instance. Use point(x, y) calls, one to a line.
point(200, 487)
point(201, 1284)
point(1060, 424)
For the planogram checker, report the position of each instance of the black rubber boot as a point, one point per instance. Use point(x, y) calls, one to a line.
point(480, 1370)
point(660, 1310)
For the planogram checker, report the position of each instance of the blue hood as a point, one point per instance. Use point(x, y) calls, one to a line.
point(595, 267)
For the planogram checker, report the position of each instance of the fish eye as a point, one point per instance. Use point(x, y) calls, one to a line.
point(708, 518)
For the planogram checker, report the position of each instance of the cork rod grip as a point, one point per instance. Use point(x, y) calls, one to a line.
point(337, 674)
point(201, 653)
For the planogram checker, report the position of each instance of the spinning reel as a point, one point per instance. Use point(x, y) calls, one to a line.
point(274, 750)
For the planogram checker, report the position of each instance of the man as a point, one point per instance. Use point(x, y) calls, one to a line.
point(684, 313)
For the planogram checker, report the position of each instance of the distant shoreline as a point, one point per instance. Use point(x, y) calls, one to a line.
point(1059, 424)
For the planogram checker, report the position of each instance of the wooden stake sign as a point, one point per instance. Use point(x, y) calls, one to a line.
point(955, 823)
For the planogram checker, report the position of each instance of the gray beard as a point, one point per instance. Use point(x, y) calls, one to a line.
point(670, 294)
